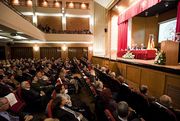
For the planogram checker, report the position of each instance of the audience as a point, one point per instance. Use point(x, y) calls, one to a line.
point(48, 29)
point(32, 81)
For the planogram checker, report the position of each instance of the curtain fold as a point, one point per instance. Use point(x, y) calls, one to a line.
point(137, 8)
point(122, 36)
point(178, 18)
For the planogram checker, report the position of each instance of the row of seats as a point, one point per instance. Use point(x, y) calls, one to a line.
point(150, 111)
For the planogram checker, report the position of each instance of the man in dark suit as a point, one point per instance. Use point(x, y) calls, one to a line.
point(63, 113)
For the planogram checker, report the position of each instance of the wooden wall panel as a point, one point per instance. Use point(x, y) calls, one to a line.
point(77, 52)
point(53, 22)
point(21, 52)
point(155, 80)
point(173, 88)
point(113, 67)
point(74, 23)
point(133, 74)
point(50, 52)
point(122, 69)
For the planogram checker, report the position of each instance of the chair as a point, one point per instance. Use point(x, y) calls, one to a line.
point(49, 108)
point(159, 112)
point(109, 115)
point(19, 106)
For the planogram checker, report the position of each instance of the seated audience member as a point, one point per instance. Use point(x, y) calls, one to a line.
point(5, 103)
point(99, 86)
point(124, 112)
point(121, 79)
point(107, 100)
point(167, 102)
point(33, 98)
point(113, 75)
point(19, 76)
point(63, 113)
point(144, 91)
point(61, 91)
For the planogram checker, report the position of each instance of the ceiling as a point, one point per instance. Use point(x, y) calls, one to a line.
point(159, 8)
point(10, 35)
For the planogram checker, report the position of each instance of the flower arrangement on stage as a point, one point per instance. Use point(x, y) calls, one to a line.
point(128, 55)
point(160, 58)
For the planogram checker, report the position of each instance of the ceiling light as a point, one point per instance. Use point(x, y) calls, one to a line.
point(20, 32)
point(19, 37)
point(71, 5)
point(2, 37)
point(15, 2)
point(45, 3)
point(57, 4)
point(29, 3)
point(83, 6)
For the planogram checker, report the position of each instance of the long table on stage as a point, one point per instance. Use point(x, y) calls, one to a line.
point(140, 54)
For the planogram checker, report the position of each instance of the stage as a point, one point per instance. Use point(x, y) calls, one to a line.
point(174, 69)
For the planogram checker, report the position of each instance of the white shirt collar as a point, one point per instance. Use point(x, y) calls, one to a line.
point(122, 119)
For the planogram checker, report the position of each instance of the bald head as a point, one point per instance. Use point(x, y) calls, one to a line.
point(166, 100)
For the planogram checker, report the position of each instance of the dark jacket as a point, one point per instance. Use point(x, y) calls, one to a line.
point(63, 115)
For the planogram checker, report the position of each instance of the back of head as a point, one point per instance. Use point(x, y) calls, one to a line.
point(123, 109)
point(165, 100)
point(143, 89)
point(56, 102)
point(98, 85)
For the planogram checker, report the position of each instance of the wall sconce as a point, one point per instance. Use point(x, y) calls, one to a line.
point(15, 2)
point(64, 47)
point(36, 48)
point(29, 3)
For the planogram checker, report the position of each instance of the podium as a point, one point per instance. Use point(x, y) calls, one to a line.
point(171, 50)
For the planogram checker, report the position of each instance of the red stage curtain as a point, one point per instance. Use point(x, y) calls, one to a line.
point(137, 8)
point(178, 18)
point(122, 36)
